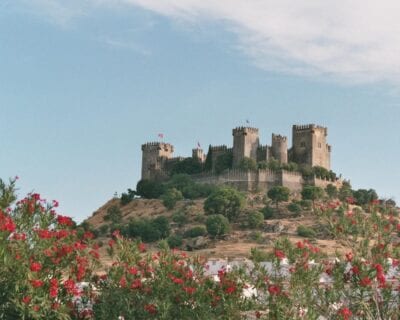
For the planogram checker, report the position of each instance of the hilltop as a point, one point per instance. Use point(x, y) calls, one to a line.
point(241, 239)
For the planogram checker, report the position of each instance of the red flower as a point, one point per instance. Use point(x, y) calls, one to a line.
point(274, 290)
point(136, 284)
point(142, 247)
point(279, 254)
point(150, 308)
point(345, 313)
point(44, 233)
point(365, 282)
point(189, 290)
point(133, 270)
point(37, 283)
point(230, 289)
point(122, 282)
point(35, 266)
point(349, 256)
point(26, 299)
point(65, 221)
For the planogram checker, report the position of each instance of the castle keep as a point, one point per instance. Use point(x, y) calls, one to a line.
point(309, 148)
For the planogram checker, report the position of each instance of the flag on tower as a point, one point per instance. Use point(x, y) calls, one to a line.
point(198, 145)
point(247, 121)
point(161, 135)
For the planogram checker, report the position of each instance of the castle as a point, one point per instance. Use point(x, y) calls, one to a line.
point(309, 148)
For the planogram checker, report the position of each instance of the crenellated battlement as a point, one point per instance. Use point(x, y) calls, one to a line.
point(219, 148)
point(308, 127)
point(278, 138)
point(309, 147)
point(155, 145)
point(244, 130)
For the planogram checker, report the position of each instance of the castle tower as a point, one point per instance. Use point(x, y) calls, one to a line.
point(310, 146)
point(245, 144)
point(280, 148)
point(199, 154)
point(154, 155)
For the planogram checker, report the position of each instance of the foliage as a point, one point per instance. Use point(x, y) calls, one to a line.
point(268, 212)
point(180, 218)
point(294, 207)
point(306, 232)
point(223, 162)
point(312, 193)
point(247, 164)
point(189, 189)
point(217, 225)
point(255, 219)
point(187, 166)
point(226, 201)
point(331, 191)
point(149, 189)
point(345, 191)
point(41, 259)
point(127, 197)
point(278, 194)
point(208, 162)
point(174, 241)
point(114, 215)
point(363, 196)
point(195, 232)
point(147, 230)
point(171, 197)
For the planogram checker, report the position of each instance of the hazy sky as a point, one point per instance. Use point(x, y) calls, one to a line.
point(84, 84)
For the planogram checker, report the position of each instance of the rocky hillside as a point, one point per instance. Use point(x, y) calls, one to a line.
point(237, 243)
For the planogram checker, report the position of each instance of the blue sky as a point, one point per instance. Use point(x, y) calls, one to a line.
point(84, 84)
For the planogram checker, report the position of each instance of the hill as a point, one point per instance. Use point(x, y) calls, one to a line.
point(241, 239)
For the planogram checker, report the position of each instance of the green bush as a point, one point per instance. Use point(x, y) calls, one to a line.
point(305, 204)
point(180, 218)
point(147, 230)
point(278, 194)
point(223, 162)
point(306, 232)
point(149, 189)
point(248, 164)
point(294, 207)
point(114, 215)
point(195, 232)
point(217, 225)
point(268, 212)
point(171, 197)
point(103, 230)
point(174, 241)
point(226, 201)
point(127, 197)
point(255, 219)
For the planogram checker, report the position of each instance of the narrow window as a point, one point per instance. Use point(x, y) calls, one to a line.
point(302, 144)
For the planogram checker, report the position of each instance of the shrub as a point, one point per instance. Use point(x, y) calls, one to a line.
point(171, 197)
point(247, 164)
point(223, 162)
point(255, 219)
point(127, 197)
point(103, 230)
point(312, 193)
point(226, 201)
point(148, 230)
point(217, 225)
point(174, 241)
point(306, 232)
point(331, 191)
point(180, 218)
point(268, 212)
point(195, 232)
point(149, 189)
point(114, 215)
point(294, 207)
point(278, 194)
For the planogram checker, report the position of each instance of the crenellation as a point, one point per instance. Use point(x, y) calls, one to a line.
point(309, 147)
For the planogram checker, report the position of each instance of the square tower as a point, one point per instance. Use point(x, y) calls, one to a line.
point(245, 144)
point(310, 146)
point(154, 156)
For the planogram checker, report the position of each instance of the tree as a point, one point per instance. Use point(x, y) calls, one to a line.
point(312, 193)
point(188, 166)
point(208, 162)
point(345, 191)
point(331, 191)
point(149, 189)
point(278, 194)
point(171, 197)
point(364, 196)
point(226, 201)
point(127, 197)
point(255, 219)
point(247, 164)
point(217, 225)
point(223, 162)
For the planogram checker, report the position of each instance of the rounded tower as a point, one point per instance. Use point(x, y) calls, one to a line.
point(245, 144)
point(154, 155)
point(280, 148)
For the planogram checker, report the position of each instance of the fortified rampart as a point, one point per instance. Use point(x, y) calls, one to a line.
point(309, 148)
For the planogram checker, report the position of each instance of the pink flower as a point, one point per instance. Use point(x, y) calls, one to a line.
point(35, 267)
